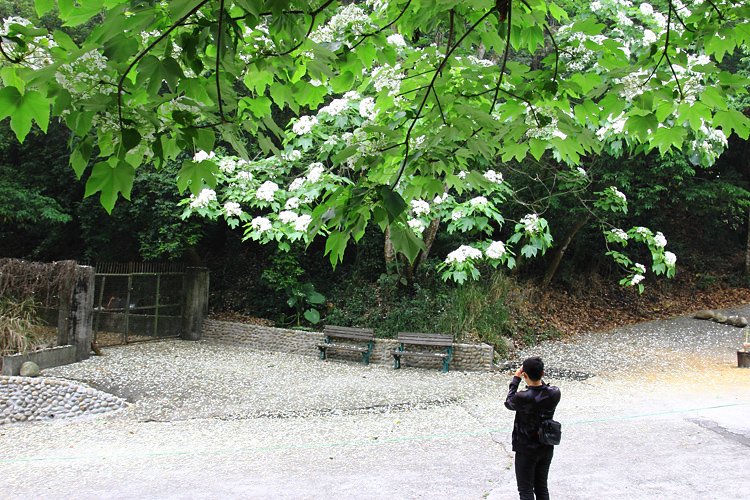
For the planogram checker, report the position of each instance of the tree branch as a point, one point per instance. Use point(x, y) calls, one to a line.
point(218, 60)
point(380, 30)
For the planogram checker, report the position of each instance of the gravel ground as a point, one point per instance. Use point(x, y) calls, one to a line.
point(647, 410)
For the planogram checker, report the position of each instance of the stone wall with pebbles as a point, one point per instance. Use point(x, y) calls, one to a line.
point(470, 357)
point(26, 398)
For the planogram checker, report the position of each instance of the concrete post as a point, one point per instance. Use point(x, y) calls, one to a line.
point(65, 295)
point(195, 304)
point(81, 323)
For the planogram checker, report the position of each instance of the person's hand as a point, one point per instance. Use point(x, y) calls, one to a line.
point(519, 372)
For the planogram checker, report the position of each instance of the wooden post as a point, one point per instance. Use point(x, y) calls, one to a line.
point(81, 319)
point(195, 302)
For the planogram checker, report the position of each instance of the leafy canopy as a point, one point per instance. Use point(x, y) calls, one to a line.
point(444, 93)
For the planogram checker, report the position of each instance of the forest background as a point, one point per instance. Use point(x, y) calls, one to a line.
point(702, 210)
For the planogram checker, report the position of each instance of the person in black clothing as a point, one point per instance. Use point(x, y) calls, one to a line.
point(537, 402)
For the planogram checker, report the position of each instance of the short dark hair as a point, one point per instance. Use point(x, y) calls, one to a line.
point(534, 368)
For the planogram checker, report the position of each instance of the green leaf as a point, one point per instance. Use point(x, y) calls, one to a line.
point(110, 180)
point(393, 203)
point(312, 315)
point(43, 6)
point(22, 109)
point(336, 246)
point(732, 120)
point(130, 138)
point(196, 176)
point(405, 242)
point(667, 137)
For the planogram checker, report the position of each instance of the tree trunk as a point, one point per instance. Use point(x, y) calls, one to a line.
point(388, 252)
point(747, 245)
point(560, 253)
point(428, 237)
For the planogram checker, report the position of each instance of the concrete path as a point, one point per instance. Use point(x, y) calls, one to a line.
point(627, 434)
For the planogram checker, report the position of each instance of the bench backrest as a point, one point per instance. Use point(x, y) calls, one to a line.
point(347, 332)
point(436, 339)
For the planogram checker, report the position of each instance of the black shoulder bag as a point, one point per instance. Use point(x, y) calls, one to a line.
point(550, 432)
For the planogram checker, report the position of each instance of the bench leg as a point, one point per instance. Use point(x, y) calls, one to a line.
point(396, 362)
point(322, 353)
point(446, 362)
point(365, 358)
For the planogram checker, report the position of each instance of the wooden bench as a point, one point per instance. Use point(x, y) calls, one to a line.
point(412, 342)
point(344, 338)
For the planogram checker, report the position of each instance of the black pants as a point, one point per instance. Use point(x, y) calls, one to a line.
point(531, 473)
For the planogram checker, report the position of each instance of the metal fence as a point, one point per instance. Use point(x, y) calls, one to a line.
point(136, 302)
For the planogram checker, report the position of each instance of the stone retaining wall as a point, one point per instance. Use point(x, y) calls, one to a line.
point(469, 357)
point(46, 358)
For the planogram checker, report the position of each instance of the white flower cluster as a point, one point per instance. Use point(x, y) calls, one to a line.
point(266, 191)
point(258, 39)
point(300, 222)
point(350, 19)
point(530, 223)
point(34, 53)
point(335, 107)
point(660, 240)
point(640, 268)
point(203, 156)
point(86, 76)
point(495, 250)
point(304, 125)
point(396, 39)
point(636, 279)
point(417, 225)
point(493, 176)
point(367, 108)
point(387, 77)
point(316, 170)
point(420, 207)
point(292, 203)
point(261, 224)
point(670, 259)
point(619, 194)
point(232, 209)
point(619, 233)
point(479, 200)
point(203, 199)
point(292, 155)
point(462, 253)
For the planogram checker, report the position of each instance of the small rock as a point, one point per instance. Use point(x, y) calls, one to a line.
point(30, 369)
point(720, 318)
point(705, 314)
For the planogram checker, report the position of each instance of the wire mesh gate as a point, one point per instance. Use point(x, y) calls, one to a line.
point(136, 302)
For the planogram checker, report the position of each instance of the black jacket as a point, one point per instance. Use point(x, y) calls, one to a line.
point(531, 406)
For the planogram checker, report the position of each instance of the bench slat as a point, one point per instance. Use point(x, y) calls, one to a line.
point(343, 347)
point(346, 332)
point(421, 354)
point(435, 339)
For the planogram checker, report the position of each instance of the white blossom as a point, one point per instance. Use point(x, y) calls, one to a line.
point(302, 222)
point(439, 199)
point(620, 234)
point(530, 223)
point(316, 170)
point(367, 108)
point(261, 224)
point(619, 194)
point(336, 107)
point(266, 191)
point(462, 253)
point(304, 125)
point(315, 82)
point(292, 203)
point(288, 217)
point(646, 9)
point(643, 231)
point(636, 279)
point(227, 165)
point(648, 37)
point(660, 240)
point(493, 176)
point(416, 225)
point(296, 184)
point(202, 156)
point(293, 155)
point(640, 268)
point(462, 174)
point(205, 197)
point(232, 209)
point(456, 214)
point(420, 207)
point(479, 200)
point(582, 172)
point(670, 259)
point(495, 250)
point(396, 39)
